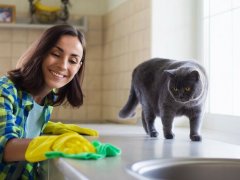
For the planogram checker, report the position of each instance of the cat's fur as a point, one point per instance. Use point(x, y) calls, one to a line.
point(167, 89)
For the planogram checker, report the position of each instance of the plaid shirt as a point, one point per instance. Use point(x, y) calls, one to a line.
point(15, 106)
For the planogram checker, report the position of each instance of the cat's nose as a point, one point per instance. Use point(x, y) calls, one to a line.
point(182, 97)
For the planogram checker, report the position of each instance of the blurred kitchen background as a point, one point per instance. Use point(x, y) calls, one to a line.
point(123, 33)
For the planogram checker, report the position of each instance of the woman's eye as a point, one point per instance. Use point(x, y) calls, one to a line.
point(55, 54)
point(187, 89)
point(73, 61)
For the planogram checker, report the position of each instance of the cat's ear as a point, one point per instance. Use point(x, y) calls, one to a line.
point(170, 73)
point(194, 75)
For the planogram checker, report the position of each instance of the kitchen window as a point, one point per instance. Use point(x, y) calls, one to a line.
point(222, 55)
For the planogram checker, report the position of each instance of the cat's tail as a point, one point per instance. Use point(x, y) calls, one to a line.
point(128, 110)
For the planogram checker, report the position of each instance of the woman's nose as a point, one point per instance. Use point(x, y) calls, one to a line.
point(63, 63)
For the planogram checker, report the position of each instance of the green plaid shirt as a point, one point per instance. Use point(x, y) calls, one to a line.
point(15, 105)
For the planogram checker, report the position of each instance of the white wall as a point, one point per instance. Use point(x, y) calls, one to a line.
point(175, 31)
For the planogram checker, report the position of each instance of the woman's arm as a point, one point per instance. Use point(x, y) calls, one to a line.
point(15, 150)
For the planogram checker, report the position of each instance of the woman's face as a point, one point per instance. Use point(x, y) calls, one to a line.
point(63, 62)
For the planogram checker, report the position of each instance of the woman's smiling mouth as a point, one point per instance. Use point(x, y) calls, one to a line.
point(57, 74)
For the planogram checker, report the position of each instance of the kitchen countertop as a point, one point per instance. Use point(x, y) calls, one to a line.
point(136, 146)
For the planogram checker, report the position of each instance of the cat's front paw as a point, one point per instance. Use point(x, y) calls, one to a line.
point(169, 135)
point(195, 137)
point(153, 134)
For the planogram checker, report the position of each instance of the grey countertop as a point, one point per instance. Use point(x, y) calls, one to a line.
point(136, 146)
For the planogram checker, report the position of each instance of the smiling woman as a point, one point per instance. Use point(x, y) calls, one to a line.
point(48, 74)
point(53, 53)
point(62, 63)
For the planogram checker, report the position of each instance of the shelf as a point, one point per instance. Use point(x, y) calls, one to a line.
point(25, 25)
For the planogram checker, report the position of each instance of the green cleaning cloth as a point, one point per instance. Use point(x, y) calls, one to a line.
point(102, 151)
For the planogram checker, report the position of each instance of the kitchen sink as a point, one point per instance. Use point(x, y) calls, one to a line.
point(186, 169)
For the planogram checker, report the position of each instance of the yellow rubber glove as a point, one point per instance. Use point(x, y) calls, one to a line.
point(69, 143)
point(60, 128)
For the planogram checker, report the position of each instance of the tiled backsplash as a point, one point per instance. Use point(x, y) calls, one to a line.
point(126, 43)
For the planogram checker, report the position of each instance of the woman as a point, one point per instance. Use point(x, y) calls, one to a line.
point(48, 74)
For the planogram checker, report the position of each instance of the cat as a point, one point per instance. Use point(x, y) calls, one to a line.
point(168, 88)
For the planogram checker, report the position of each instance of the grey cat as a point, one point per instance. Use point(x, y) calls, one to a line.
point(167, 89)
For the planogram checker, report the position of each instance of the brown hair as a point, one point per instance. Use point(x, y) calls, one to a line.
point(28, 74)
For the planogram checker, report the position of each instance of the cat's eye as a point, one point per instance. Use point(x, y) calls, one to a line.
point(175, 89)
point(187, 89)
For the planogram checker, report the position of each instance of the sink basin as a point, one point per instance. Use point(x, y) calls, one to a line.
point(186, 169)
